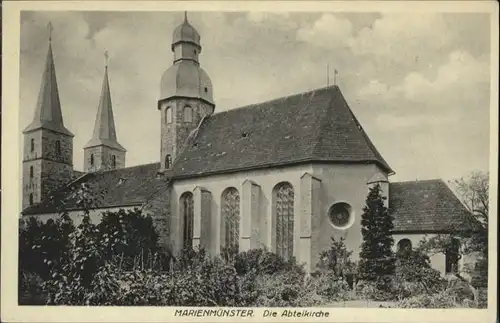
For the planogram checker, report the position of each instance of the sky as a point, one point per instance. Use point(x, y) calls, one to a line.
point(418, 83)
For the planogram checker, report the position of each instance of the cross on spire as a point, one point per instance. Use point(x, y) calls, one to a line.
point(50, 28)
point(185, 16)
point(106, 58)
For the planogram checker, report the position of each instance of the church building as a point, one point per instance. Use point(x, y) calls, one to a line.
point(287, 174)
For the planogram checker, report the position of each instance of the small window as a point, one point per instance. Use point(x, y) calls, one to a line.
point(206, 89)
point(168, 161)
point(168, 115)
point(58, 147)
point(31, 171)
point(195, 52)
point(188, 114)
point(404, 245)
point(113, 161)
point(31, 199)
point(32, 149)
point(91, 159)
point(340, 215)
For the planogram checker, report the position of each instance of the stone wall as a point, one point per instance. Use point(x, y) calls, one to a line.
point(175, 134)
point(52, 167)
point(102, 158)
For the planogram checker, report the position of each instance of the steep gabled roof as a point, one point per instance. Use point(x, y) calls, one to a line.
point(131, 186)
point(307, 127)
point(426, 206)
point(48, 108)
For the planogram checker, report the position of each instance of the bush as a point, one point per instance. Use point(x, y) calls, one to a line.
point(30, 289)
point(414, 275)
point(337, 259)
point(439, 300)
point(264, 263)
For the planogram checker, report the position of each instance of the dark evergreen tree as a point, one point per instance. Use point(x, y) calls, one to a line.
point(377, 260)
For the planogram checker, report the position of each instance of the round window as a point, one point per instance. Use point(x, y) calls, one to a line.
point(340, 215)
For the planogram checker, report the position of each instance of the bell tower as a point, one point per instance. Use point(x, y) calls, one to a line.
point(48, 144)
point(186, 94)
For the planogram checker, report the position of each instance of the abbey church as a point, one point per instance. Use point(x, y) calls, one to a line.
point(287, 174)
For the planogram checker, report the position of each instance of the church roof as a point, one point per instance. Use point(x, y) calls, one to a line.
point(425, 206)
point(307, 127)
point(104, 127)
point(131, 186)
point(48, 108)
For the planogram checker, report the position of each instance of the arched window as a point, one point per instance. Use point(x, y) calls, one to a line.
point(283, 209)
point(168, 115)
point(404, 245)
point(452, 256)
point(31, 171)
point(187, 213)
point(113, 161)
point(230, 214)
point(188, 114)
point(31, 199)
point(58, 147)
point(168, 161)
point(91, 159)
point(32, 148)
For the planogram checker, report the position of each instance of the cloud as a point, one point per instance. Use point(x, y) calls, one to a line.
point(328, 31)
point(439, 99)
point(458, 75)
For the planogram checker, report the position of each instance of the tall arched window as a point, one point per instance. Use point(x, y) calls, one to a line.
point(452, 256)
point(31, 171)
point(113, 161)
point(32, 146)
point(31, 198)
point(404, 245)
point(230, 214)
point(91, 159)
point(168, 161)
point(188, 114)
point(58, 147)
point(187, 213)
point(283, 210)
point(168, 115)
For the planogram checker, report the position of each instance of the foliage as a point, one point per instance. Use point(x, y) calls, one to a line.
point(337, 259)
point(30, 289)
point(474, 193)
point(414, 274)
point(376, 256)
point(439, 300)
point(42, 246)
point(130, 238)
point(264, 262)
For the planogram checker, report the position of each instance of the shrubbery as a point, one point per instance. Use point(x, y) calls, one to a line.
point(119, 262)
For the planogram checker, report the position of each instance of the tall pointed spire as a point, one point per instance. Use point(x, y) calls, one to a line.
point(104, 127)
point(48, 109)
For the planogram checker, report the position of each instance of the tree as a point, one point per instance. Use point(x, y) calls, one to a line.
point(377, 262)
point(474, 193)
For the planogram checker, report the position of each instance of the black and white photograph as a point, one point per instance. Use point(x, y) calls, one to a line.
point(264, 164)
